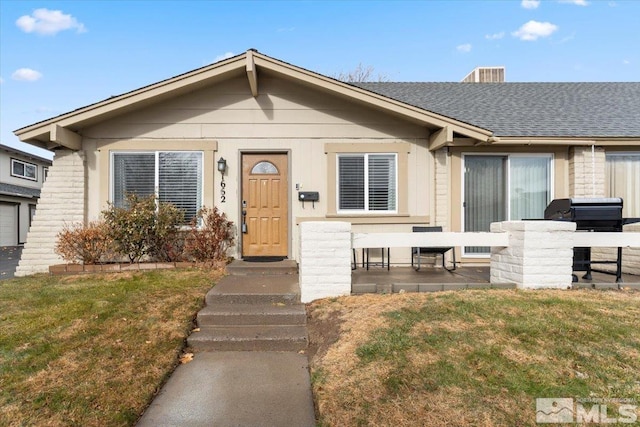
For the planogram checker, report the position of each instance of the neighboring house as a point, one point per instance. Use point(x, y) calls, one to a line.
point(21, 177)
point(383, 156)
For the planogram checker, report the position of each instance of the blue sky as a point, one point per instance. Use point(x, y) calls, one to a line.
point(56, 56)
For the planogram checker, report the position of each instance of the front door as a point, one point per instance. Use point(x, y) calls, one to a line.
point(265, 205)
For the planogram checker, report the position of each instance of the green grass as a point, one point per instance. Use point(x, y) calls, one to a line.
point(482, 357)
point(92, 350)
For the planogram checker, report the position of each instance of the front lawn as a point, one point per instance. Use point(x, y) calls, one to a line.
point(92, 350)
point(476, 358)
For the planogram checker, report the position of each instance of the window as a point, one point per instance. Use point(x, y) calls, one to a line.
point(45, 173)
point(367, 183)
point(623, 180)
point(501, 187)
point(264, 168)
point(24, 170)
point(173, 176)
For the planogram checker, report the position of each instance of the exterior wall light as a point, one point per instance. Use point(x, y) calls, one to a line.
point(222, 166)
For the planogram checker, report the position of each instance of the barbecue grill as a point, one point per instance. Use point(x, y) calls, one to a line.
point(596, 215)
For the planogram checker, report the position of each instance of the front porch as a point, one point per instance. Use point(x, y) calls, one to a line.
point(433, 279)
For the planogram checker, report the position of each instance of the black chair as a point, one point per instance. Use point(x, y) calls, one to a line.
point(418, 252)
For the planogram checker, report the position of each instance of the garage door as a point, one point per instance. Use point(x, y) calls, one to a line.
point(8, 225)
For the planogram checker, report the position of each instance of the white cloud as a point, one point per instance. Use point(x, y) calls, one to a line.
point(613, 4)
point(626, 62)
point(495, 36)
point(49, 22)
point(225, 55)
point(286, 30)
point(533, 30)
point(464, 48)
point(576, 2)
point(26, 75)
point(530, 4)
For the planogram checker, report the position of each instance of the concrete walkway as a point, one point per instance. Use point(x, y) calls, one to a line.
point(243, 388)
point(238, 388)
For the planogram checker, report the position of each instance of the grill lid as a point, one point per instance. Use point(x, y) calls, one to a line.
point(585, 209)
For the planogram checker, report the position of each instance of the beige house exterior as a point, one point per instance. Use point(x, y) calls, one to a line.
point(376, 160)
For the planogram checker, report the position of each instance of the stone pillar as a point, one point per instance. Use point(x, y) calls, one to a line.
point(539, 255)
point(587, 172)
point(442, 188)
point(325, 260)
point(62, 201)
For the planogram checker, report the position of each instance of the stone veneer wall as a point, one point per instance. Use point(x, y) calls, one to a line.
point(581, 172)
point(581, 185)
point(442, 188)
point(539, 255)
point(325, 260)
point(62, 201)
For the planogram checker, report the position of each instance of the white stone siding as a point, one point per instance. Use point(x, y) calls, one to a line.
point(325, 260)
point(442, 188)
point(584, 180)
point(539, 254)
point(62, 201)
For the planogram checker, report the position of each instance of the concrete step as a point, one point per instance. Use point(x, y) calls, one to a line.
point(255, 290)
point(249, 338)
point(252, 314)
point(243, 268)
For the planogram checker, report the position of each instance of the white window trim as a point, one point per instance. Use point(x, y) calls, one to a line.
point(25, 164)
point(508, 155)
point(156, 186)
point(366, 210)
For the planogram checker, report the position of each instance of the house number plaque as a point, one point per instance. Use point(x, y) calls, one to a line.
point(223, 196)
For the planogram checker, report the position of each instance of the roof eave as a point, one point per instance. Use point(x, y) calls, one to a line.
point(560, 140)
point(42, 133)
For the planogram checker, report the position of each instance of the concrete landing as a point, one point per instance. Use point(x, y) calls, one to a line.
point(236, 389)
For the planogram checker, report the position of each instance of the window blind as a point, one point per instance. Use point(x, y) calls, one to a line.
point(382, 182)
point(177, 176)
point(179, 181)
point(351, 182)
point(133, 174)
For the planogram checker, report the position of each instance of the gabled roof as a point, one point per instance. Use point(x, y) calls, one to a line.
point(61, 130)
point(572, 110)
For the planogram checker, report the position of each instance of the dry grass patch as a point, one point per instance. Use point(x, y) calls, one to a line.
point(471, 357)
point(92, 350)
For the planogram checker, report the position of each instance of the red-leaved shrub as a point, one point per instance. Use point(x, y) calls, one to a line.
point(210, 236)
point(88, 244)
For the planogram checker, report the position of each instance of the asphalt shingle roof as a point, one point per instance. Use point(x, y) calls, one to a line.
point(18, 190)
point(528, 109)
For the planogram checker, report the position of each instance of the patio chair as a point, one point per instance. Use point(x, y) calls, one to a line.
point(417, 253)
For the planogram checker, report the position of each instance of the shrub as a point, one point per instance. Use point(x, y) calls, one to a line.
point(140, 229)
point(166, 240)
point(84, 244)
point(210, 236)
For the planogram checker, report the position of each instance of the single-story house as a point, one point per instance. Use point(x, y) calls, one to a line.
point(297, 146)
point(21, 177)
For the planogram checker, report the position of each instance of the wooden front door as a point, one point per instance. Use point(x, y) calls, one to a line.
point(265, 202)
